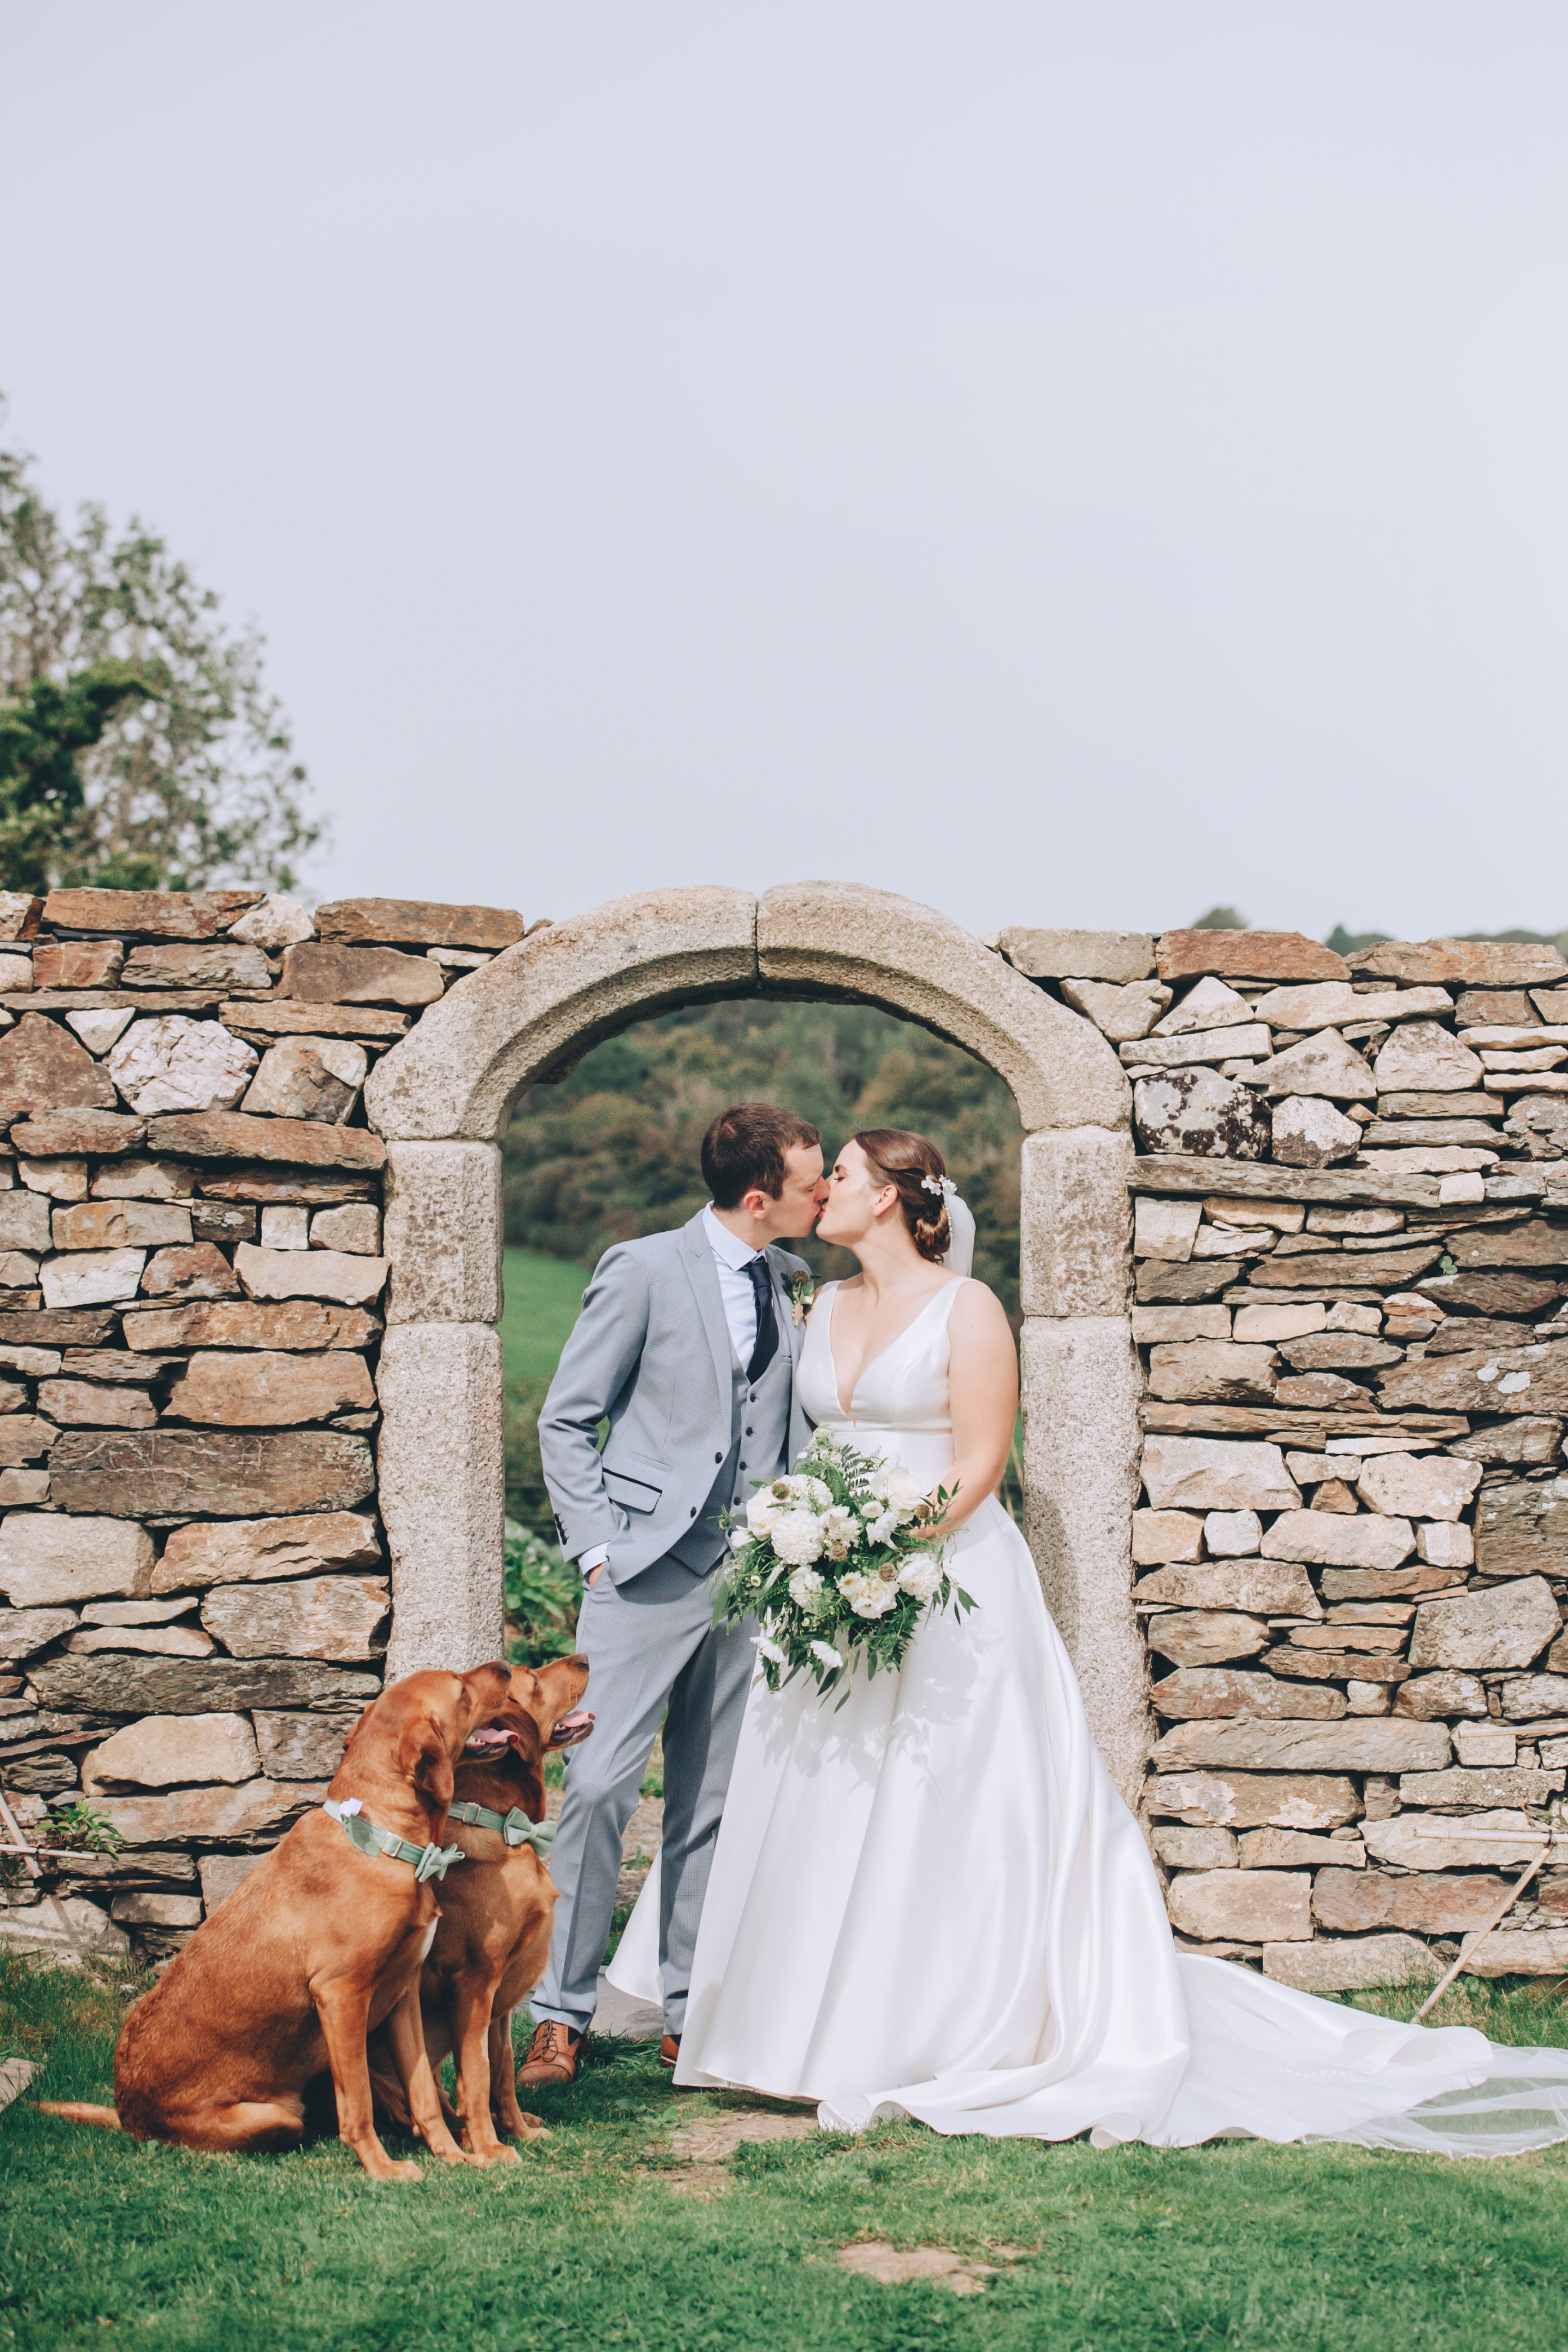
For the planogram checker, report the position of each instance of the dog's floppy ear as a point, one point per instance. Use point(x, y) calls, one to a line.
point(422, 1758)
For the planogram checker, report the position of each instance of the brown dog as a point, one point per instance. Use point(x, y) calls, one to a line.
point(321, 1942)
point(497, 1911)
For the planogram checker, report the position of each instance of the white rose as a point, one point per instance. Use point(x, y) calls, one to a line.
point(920, 1574)
point(868, 1595)
point(763, 1510)
point(797, 1538)
point(904, 1490)
point(882, 1530)
point(739, 1539)
point(803, 1587)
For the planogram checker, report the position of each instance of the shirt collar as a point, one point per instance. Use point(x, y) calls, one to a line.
point(725, 1245)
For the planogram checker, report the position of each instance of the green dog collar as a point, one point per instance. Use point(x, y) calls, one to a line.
point(428, 1861)
point(515, 1826)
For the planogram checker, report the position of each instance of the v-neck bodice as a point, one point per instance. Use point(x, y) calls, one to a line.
point(901, 1401)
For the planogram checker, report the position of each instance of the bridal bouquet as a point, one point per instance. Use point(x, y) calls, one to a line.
point(840, 1560)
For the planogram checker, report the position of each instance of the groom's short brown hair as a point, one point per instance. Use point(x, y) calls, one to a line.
point(745, 1147)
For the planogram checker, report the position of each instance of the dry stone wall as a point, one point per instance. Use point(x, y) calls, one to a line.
point(194, 1592)
point(1351, 1255)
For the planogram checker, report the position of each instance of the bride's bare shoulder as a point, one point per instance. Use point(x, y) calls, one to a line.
point(978, 1314)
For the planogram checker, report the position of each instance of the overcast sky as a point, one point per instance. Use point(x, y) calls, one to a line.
point(1066, 463)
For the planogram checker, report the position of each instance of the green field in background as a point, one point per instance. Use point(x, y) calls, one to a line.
point(542, 1297)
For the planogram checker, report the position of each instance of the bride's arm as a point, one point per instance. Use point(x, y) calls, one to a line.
point(983, 1381)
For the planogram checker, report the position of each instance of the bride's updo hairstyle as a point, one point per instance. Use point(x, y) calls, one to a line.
point(905, 1160)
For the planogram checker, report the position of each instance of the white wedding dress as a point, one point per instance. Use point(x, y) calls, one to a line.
point(932, 1902)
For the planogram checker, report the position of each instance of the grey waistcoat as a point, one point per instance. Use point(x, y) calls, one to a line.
point(759, 1435)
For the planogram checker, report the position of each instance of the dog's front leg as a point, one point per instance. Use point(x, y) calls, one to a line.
point(405, 2033)
point(469, 2012)
point(343, 2007)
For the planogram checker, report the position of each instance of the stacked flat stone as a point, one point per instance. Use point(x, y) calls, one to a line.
point(192, 1566)
point(1351, 1255)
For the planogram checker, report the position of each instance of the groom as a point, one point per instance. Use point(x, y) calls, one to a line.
point(688, 1341)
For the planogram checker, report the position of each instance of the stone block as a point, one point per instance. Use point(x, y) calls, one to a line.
point(1420, 1486)
point(1073, 1222)
point(443, 1232)
point(285, 1228)
point(1488, 1743)
point(1358, 1744)
point(216, 1221)
point(99, 1030)
point(120, 1224)
point(1207, 1637)
point(335, 1617)
point(1324, 1067)
point(1299, 1850)
point(337, 974)
point(1308, 1132)
point(1339, 1351)
point(25, 1221)
point(218, 964)
point(224, 1473)
point(1200, 1114)
point(1504, 1625)
point(1204, 1694)
point(1474, 963)
point(89, 1405)
point(1527, 1380)
point(35, 1929)
point(255, 1812)
point(144, 1180)
point(1326, 1540)
point(1156, 1278)
point(1165, 1229)
point(1210, 1005)
point(1120, 956)
point(91, 1278)
point(235, 1135)
point(198, 1271)
point(1423, 1842)
point(56, 1135)
point(302, 1747)
point(23, 1437)
point(299, 1323)
point(1255, 1907)
point(1263, 1588)
point(1218, 1372)
point(221, 1874)
point(1522, 1952)
point(163, 1751)
point(25, 1632)
point(1270, 1216)
point(20, 913)
point(250, 1551)
point(1427, 1903)
point(1432, 1696)
point(174, 1063)
point(150, 914)
point(1350, 1964)
point(1210, 1473)
point(1533, 1695)
point(1180, 1050)
point(1152, 1324)
point(260, 1390)
point(1185, 1849)
point(356, 1227)
point(1232, 1535)
point(134, 1613)
point(1244, 1801)
point(442, 1491)
point(46, 1558)
point(1490, 1291)
point(1522, 1527)
point(1118, 1012)
point(1487, 1784)
point(126, 1685)
point(309, 1077)
point(277, 922)
point(1392, 1269)
point(62, 1180)
point(155, 1640)
point(44, 1068)
point(1271, 1325)
point(1246, 955)
point(1422, 1056)
point(336, 1274)
point(1081, 1455)
point(418, 922)
point(1160, 1535)
point(146, 1907)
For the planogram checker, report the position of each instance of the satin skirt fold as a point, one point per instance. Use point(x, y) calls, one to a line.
point(931, 1901)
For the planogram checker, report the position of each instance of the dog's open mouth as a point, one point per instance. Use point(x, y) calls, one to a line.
point(491, 1741)
point(572, 1728)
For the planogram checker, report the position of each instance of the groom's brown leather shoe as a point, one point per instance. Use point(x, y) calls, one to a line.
point(552, 2055)
point(670, 2050)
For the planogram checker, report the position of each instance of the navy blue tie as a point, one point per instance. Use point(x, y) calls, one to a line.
point(767, 1342)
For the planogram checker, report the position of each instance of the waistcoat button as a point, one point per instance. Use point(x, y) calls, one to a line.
point(718, 1457)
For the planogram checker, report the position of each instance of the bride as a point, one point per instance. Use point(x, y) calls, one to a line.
point(930, 1900)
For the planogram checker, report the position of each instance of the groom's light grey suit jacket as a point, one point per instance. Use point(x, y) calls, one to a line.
point(651, 1349)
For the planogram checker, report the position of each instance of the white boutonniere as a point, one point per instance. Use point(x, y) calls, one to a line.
point(802, 1292)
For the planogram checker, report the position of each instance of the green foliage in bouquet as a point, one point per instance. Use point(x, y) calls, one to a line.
point(839, 1561)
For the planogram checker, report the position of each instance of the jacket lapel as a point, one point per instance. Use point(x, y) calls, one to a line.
point(784, 1307)
point(703, 1275)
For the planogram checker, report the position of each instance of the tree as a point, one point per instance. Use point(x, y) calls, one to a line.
point(139, 748)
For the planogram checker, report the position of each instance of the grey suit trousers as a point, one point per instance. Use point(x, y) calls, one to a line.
point(654, 1644)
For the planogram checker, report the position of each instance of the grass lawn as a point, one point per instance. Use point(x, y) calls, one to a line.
point(603, 2235)
point(542, 1297)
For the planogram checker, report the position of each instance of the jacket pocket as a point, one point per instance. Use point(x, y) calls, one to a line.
point(632, 1494)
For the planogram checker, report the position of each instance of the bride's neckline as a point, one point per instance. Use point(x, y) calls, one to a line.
point(849, 1410)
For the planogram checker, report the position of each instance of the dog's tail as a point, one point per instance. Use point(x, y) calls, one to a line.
point(76, 2110)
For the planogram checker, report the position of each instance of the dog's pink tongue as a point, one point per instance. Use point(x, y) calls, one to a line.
point(570, 1728)
point(489, 1742)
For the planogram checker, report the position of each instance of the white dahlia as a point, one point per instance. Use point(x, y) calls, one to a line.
point(803, 1587)
point(920, 1574)
point(797, 1538)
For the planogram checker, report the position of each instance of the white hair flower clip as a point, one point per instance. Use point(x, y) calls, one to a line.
point(943, 1186)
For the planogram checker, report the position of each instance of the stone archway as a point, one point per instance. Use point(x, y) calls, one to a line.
point(441, 1100)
